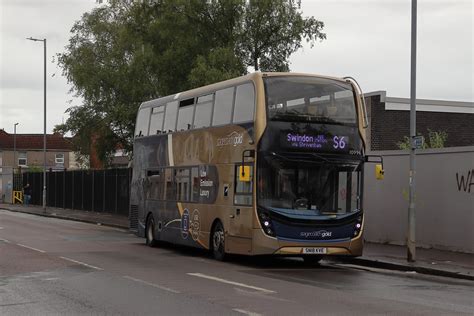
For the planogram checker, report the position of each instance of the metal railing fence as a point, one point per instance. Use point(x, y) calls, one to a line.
point(89, 190)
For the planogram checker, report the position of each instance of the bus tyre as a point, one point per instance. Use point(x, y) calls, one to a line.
point(312, 259)
point(150, 232)
point(218, 242)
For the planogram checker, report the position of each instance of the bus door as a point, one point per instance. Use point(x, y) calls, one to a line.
point(240, 222)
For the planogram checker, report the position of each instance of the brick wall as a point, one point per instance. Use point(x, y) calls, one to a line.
point(387, 127)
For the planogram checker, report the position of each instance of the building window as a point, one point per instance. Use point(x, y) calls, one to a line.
point(59, 159)
point(22, 160)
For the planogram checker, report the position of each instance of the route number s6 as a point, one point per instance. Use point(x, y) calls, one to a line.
point(339, 142)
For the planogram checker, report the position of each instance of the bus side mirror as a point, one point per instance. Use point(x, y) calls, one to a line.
point(379, 172)
point(244, 173)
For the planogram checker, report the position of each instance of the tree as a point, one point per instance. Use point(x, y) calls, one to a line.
point(111, 67)
point(272, 30)
point(123, 53)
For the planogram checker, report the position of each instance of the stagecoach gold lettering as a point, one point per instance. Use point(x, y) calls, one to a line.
point(319, 233)
point(233, 139)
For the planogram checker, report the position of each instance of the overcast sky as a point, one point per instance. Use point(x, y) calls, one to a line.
point(368, 40)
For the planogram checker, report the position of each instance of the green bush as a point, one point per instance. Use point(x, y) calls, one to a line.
point(435, 140)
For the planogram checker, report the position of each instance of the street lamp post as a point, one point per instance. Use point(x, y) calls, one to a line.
point(411, 240)
point(14, 145)
point(44, 129)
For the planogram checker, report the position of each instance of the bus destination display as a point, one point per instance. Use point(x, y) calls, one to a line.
point(315, 142)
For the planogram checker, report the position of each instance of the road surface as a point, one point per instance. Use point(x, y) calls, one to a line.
point(51, 266)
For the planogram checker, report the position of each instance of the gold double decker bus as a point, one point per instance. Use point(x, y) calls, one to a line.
point(267, 163)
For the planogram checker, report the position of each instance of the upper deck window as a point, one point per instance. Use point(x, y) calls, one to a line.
point(314, 99)
point(185, 115)
point(170, 118)
point(223, 106)
point(143, 118)
point(156, 121)
point(244, 103)
point(202, 117)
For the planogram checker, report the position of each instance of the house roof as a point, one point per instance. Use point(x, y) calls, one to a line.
point(423, 105)
point(34, 141)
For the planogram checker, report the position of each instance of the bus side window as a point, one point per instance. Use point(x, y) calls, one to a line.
point(156, 122)
point(243, 189)
point(203, 115)
point(195, 184)
point(170, 117)
point(244, 103)
point(157, 184)
point(143, 119)
point(223, 106)
point(185, 115)
point(183, 184)
point(170, 180)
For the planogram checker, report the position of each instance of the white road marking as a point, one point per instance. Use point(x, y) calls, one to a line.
point(243, 311)
point(82, 263)
point(152, 284)
point(4, 240)
point(50, 279)
point(31, 248)
point(200, 275)
point(1, 227)
point(260, 295)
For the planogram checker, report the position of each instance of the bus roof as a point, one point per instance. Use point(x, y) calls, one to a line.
point(227, 83)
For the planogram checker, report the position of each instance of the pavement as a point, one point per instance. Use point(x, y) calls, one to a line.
point(384, 256)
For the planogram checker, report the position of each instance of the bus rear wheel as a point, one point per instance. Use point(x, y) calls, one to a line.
point(150, 232)
point(218, 242)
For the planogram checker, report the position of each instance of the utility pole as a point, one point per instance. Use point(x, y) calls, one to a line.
point(44, 122)
point(14, 145)
point(411, 240)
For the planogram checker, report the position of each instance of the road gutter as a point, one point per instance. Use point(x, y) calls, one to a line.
point(375, 263)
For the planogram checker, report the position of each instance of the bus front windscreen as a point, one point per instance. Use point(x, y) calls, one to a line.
point(326, 188)
point(305, 98)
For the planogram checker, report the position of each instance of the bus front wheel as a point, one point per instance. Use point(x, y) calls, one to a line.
point(150, 232)
point(218, 242)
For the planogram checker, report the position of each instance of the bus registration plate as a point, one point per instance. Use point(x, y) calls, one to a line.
point(315, 250)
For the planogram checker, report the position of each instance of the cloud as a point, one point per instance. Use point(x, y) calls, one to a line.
point(21, 63)
point(370, 40)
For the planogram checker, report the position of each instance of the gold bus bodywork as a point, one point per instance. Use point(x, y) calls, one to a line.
point(243, 232)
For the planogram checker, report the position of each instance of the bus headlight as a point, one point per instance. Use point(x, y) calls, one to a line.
point(266, 224)
point(358, 226)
